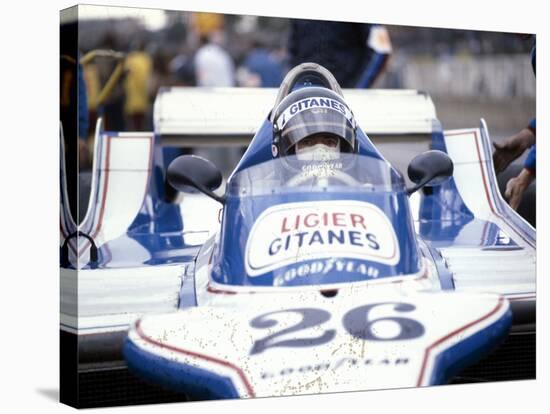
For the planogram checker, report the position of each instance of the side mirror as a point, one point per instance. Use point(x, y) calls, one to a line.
point(429, 169)
point(197, 172)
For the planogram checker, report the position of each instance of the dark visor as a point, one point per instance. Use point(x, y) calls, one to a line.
point(308, 123)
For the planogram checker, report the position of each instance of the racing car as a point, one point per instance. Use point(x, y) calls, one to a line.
point(308, 273)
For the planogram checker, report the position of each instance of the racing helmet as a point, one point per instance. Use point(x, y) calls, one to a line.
point(313, 117)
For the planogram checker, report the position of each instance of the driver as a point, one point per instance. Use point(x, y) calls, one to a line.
point(313, 124)
point(318, 147)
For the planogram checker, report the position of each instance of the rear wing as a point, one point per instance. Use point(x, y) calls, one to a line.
point(185, 116)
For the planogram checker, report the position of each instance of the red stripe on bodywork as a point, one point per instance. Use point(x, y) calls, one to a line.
point(486, 187)
point(106, 185)
point(525, 297)
point(487, 194)
point(225, 292)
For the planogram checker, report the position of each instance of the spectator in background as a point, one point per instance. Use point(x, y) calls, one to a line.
point(112, 108)
point(70, 90)
point(183, 70)
point(354, 53)
point(93, 88)
point(214, 66)
point(511, 149)
point(83, 152)
point(261, 68)
point(162, 75)
point(507, 152)
point(138, 67)
point(74, 119)
point(69, 108)
point(176, 71)
point(212, 63)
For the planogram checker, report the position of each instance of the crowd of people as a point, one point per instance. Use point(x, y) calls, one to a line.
point(154, 60)
point(209, 51)
point(215, 50)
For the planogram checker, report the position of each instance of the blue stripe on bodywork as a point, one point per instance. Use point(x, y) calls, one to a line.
point(443, 272)
point(203, 384)
point(445, 220)
point(196, 382)
point(443, 201)
point(451, 361)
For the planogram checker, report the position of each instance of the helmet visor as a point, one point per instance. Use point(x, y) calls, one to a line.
point(321, 115)
point(307, 124)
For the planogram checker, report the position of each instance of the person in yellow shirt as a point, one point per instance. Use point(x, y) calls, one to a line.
point(139, 66)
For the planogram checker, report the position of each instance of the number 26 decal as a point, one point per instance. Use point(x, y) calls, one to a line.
point(310, 318)
point(356, 322)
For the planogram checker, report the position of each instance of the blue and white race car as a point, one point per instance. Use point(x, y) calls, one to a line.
point(313, 271)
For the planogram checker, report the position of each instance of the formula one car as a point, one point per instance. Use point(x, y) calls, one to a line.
point(307, 275)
